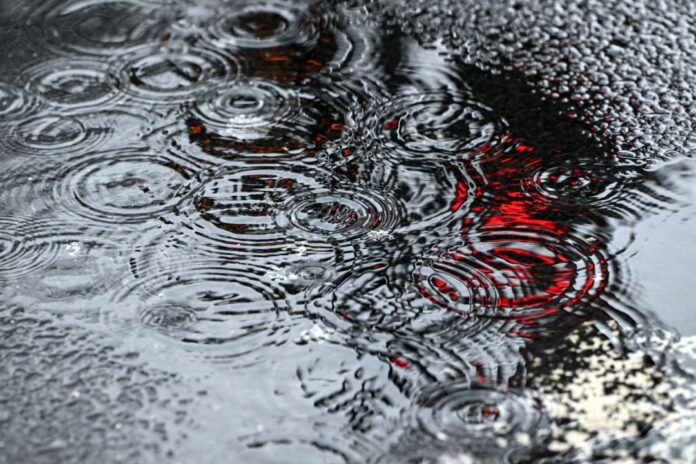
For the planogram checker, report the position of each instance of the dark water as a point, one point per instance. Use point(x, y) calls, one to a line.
point(303, 232)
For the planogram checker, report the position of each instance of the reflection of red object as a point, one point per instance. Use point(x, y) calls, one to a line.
point(490, 412)
point(391, 125)
point(552, 268)
point(519, 258)
point(399, 362)
point(461, 196)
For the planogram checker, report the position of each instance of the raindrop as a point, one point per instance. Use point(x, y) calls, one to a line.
point(256, 118)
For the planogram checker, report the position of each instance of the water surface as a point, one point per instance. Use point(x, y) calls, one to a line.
point(321, 232)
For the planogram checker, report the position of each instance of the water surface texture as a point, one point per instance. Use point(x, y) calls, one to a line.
point(346, 232)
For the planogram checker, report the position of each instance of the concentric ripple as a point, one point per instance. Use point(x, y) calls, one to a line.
point(237, 207)
point(223, 312)
point(500, 273)
point(291, 41)
point(57, 135)
point(258, 118)
point(169, 316)
point(29, 185)
point(249, 109)
point(96, 28)
point(576, 182)
point(370, 306)
point(52, 134)
point(266, 24)
point(435, 197)
point(26, 246)
point(369, 297)
point(460, 413)
point(481, 422)
point(127, 186)
point(15, 103)
point(83, 269)
point(172, 74)
point(70, 84)
point(339, 214)
point(433, 126)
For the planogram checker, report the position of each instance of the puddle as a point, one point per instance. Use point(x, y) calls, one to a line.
point(342, 232)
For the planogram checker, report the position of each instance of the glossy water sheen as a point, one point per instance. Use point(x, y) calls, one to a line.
point(298, 232)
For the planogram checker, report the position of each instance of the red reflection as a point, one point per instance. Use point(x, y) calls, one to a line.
point(520, 259)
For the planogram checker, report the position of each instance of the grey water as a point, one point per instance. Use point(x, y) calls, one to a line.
point(347, 231)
